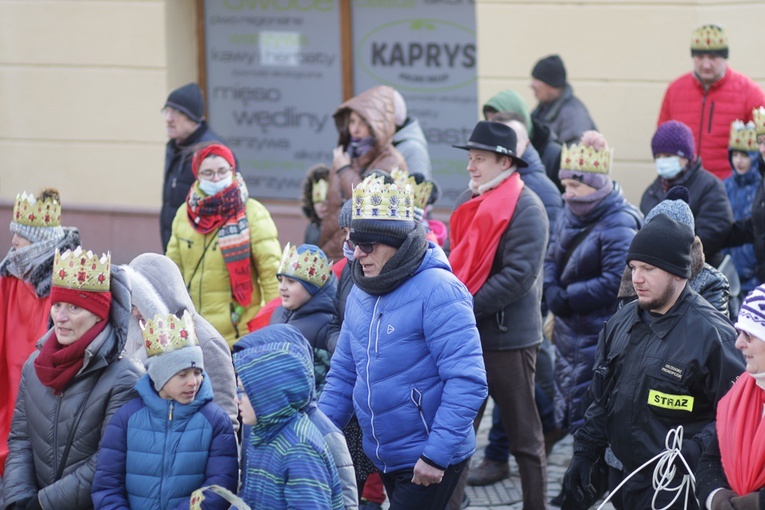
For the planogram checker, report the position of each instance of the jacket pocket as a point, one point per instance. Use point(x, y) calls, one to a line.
point(416, 397)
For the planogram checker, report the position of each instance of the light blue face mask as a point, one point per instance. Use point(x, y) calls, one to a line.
point(212, 188)
point(348, 252)
point(668, 168)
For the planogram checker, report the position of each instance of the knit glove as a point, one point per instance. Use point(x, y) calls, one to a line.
point(722, 500)
point(557, 301)
point(749, 501)
point(577, 482)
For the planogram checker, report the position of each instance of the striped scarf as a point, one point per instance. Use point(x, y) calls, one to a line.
point(226, 212)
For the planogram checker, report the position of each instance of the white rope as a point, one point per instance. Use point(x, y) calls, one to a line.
point(665, 471)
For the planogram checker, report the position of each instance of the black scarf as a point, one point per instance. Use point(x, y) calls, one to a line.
point(401, 265)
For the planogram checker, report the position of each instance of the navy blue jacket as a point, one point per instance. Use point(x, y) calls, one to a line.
point(588, 284)
point(535, 177)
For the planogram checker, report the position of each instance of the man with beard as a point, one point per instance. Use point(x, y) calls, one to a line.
point(664, 360)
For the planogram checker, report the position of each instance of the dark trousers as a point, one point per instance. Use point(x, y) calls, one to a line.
point(404, 495)
point(510, 375)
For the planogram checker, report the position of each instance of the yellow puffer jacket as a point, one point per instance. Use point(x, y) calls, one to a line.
point(206, 275)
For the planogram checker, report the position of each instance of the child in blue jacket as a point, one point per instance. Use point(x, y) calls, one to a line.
point(173, 439)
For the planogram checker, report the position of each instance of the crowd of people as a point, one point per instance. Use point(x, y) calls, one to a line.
point(356, 366)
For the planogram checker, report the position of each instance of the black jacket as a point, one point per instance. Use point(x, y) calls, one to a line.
point(709, 203)
point(178, 176)
point(507, 306)
point(650, 379)
point(549, 149)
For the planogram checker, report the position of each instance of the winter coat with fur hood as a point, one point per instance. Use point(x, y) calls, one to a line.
point(157, 288)
point(376, 107)
point(42, 420)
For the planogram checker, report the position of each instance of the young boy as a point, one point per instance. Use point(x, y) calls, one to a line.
point(288, 462)
point(173, 439)
point(307, 288)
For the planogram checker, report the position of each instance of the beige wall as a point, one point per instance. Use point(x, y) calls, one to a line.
point(620, 55)
point(82, 83)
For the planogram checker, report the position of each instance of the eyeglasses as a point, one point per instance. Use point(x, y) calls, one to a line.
point(364, 247)
point(221, 172)
point(747, 336)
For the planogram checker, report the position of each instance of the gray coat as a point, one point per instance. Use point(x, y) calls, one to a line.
point(42, 421)
point(567, 117)
point(410, 141)
point(157, 287)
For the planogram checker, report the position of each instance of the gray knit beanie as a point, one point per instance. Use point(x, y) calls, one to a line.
point(344, 218)
point(163, 367)
point(675, 205)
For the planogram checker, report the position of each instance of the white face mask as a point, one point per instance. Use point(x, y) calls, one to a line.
point(348, 252)
point(668, 168)
point(213, 188)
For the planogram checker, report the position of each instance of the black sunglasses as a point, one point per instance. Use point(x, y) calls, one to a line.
point(364, 247)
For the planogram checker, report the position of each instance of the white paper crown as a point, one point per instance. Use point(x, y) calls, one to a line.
point(167, 333)
point(36, 213)
point(81, 270)
point(309, 266)
point(758, 116)
point(743, 137)
point(709, 38)
point(375, 200)
point(421, 192)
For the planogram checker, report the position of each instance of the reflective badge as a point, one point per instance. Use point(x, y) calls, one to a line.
point(668, 401)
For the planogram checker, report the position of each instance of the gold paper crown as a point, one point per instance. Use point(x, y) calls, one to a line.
point(36, 213)
point(421, 192)
point(743, 137)
point(580, 158)
point(82, 270)
point(167, 333)
point(319, 191)
point(375, 200)
point(758, 115)
point(308, 266)
point(709, 38)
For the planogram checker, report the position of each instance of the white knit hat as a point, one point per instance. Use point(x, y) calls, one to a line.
point(751, 316)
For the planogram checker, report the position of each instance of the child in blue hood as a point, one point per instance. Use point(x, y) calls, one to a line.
point(288, 461)
point(173, 439)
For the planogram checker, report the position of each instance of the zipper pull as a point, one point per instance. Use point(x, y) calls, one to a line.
point(171, 411)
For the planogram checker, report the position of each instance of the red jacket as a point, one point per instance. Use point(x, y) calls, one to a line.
point(710, 114)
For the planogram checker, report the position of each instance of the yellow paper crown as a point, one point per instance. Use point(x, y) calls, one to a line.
point(167, 333)
point(82, 270)
point(580, 158)
point(743, 137)
point(421, 192)
point(309, 266)
point(319, 191)
point(709, 38)
point(375, 200)
point(758, 115)
point(36, 213)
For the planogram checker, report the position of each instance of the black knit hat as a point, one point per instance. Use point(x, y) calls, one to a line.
point(390, 232)
point(664, 243)
point(551, 71)
point(189, 101)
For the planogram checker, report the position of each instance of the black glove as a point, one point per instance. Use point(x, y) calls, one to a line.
point(577, 481)
point(34, 504)
point(691, 453)
point(749, 501)
point(557, 301)
point(722, 500)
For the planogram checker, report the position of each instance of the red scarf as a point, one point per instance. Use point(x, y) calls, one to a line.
point(227, 212)
point(476, 229)
point(57, 364)
point(741, 432)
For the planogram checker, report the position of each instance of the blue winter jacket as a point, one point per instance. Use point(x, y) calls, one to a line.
point(589, 284)
point(741, 190)
point(410, 363)
point(156, 452)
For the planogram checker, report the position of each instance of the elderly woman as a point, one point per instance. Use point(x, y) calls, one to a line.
point(731, 472)
point(70, 387)
point(25, 282)
point(225, 244)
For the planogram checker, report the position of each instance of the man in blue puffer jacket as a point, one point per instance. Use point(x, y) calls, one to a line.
point(409, 358)
point(173, 439)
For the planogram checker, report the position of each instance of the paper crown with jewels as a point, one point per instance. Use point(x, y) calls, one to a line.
point(81, 270)
point(309, 265)
point(709, 38)
point(319, 191)
point(420, 192)
point(375, 200)
point(758, 116)
point(743, 137)
point(168, 333)
point(36, 213)
point(580, 158)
